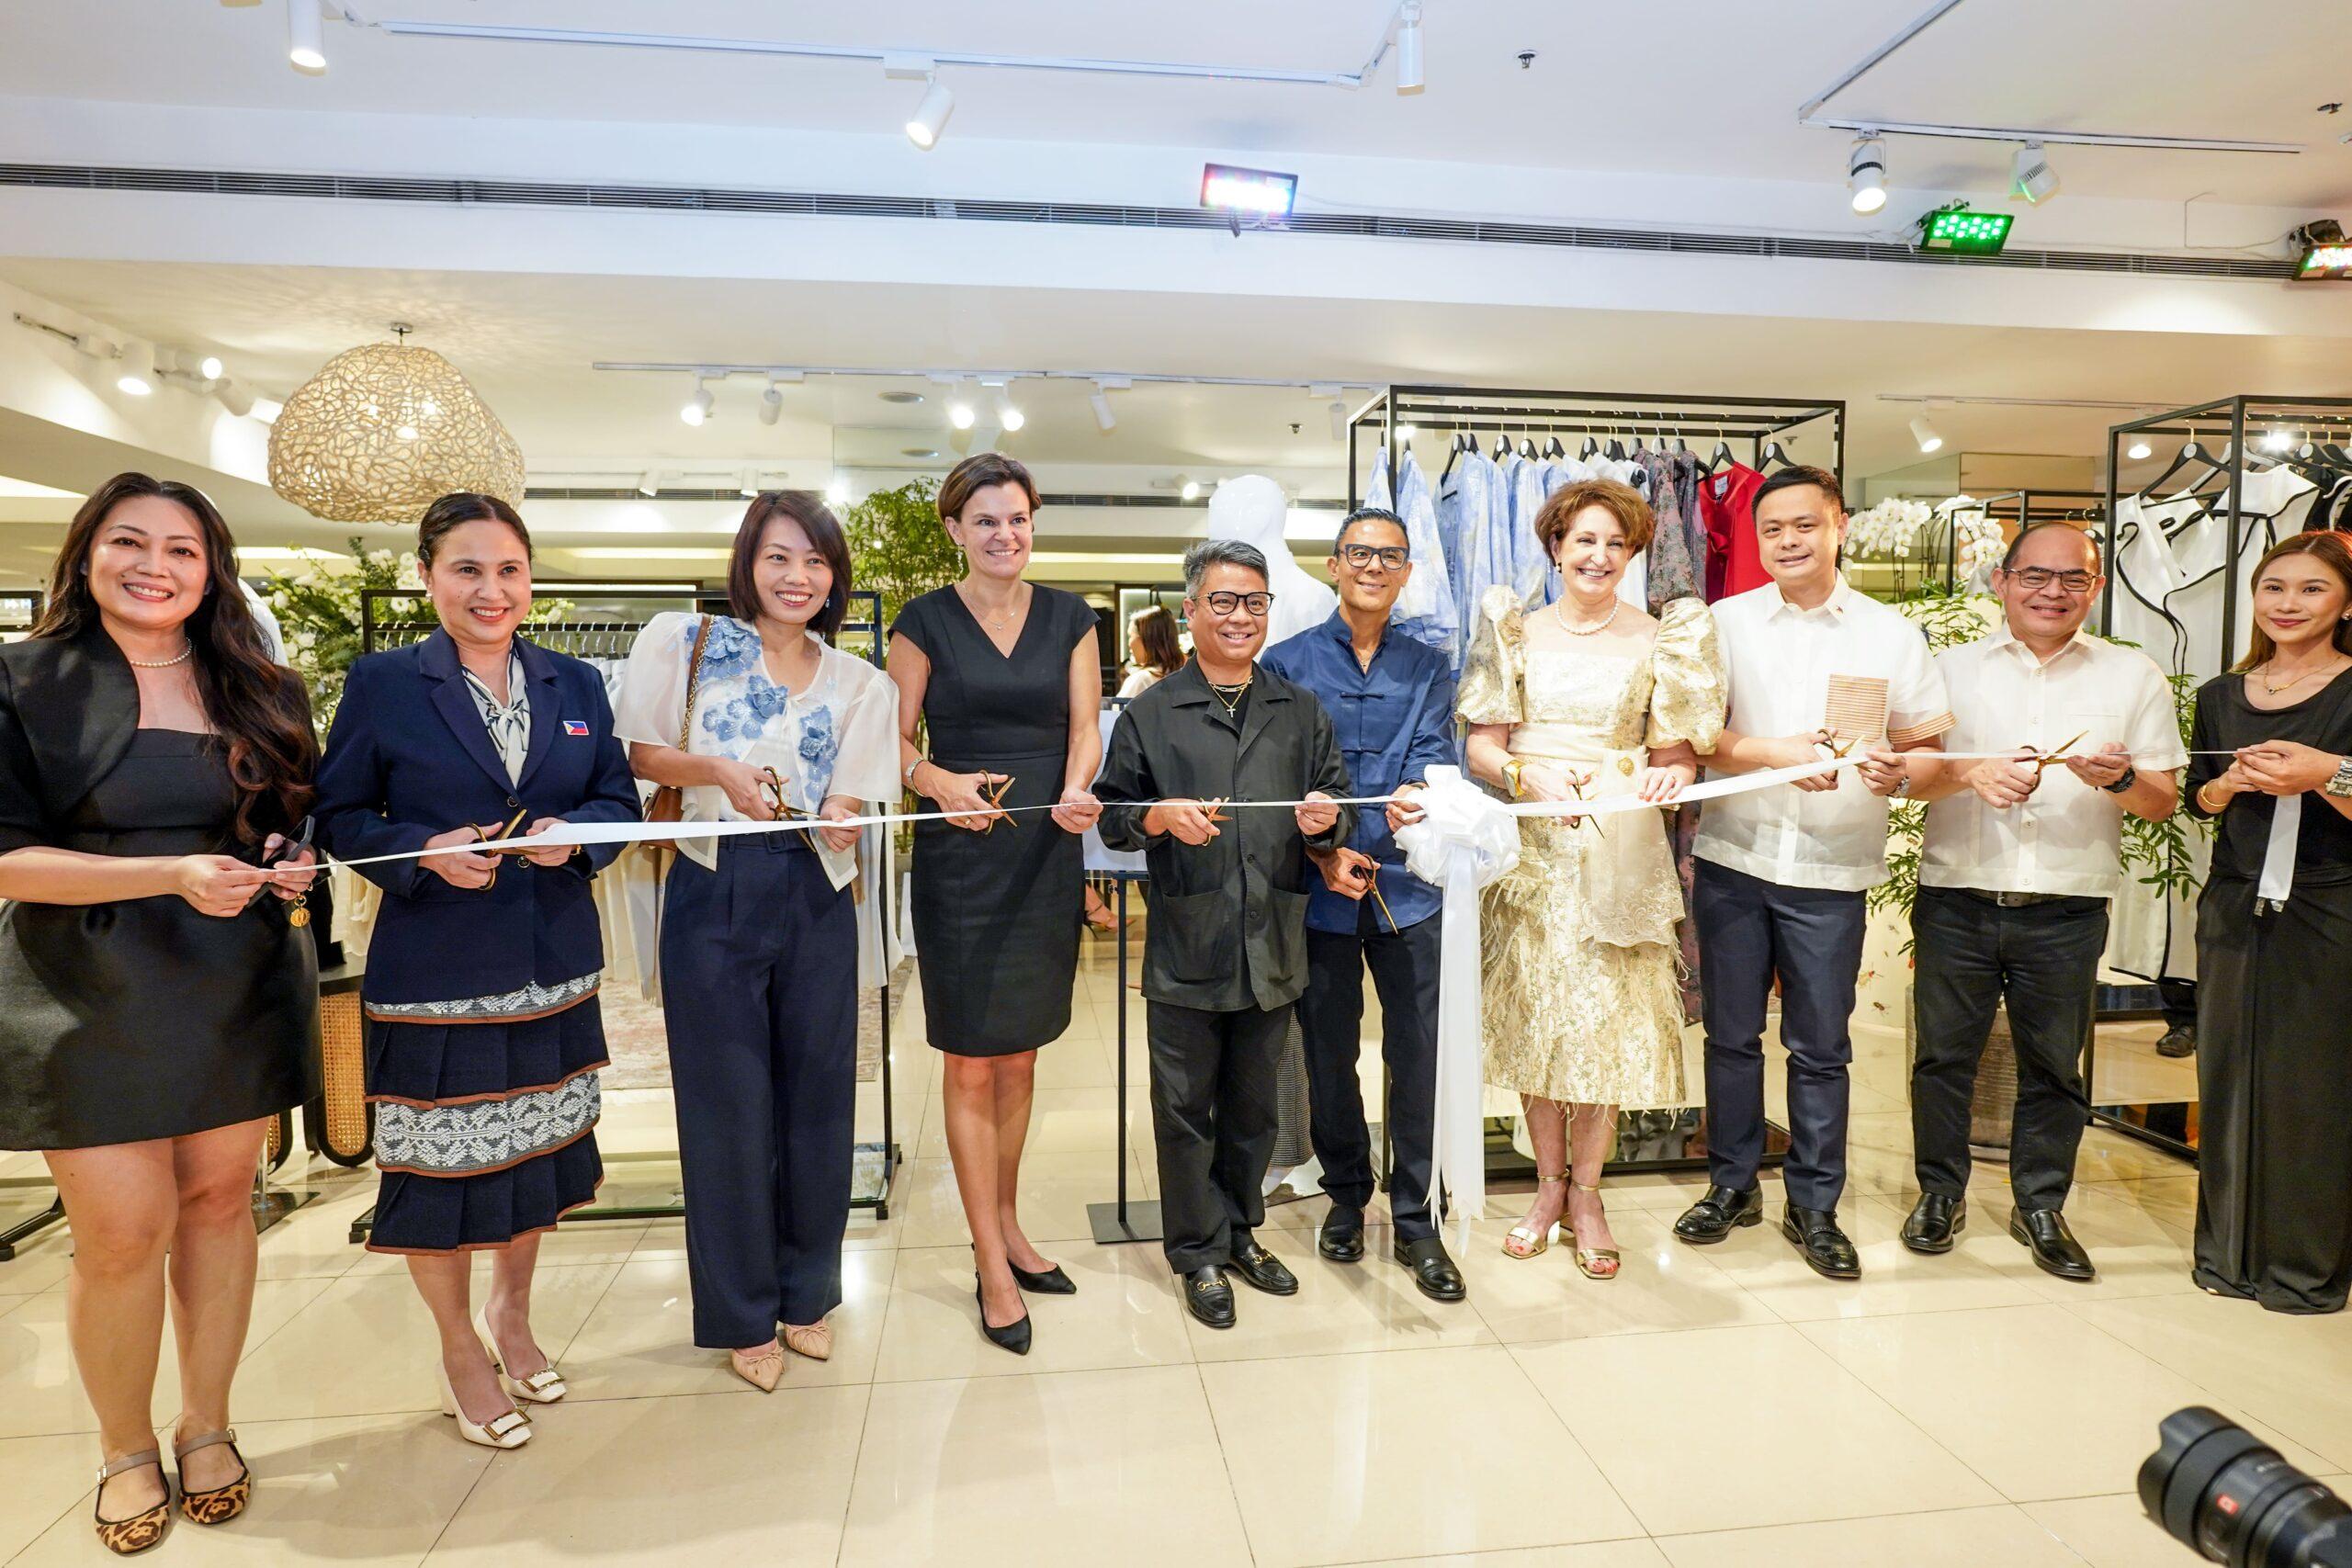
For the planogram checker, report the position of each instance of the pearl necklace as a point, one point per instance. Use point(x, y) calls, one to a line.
point(1560, 614)
point(186, 651)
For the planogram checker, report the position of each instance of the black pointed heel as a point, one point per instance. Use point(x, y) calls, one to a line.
point(1013, 1336)
point(1052, 1282)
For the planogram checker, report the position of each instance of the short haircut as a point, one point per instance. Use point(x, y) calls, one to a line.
point(2009, 556)
point(1370, 515)
point(1798, 474)
point(982, 471)
point(455, 511)
point(824, 530)
point(1621, 501)
point(1221, 552)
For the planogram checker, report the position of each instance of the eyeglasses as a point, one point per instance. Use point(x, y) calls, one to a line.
point(1225, 603)
point(2034, 579)
point(1361, 556)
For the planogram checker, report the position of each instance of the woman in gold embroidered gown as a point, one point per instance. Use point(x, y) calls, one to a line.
point(1580, 699)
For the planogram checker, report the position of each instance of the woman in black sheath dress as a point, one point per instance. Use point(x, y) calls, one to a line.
point(157, 1004)
point(1008, 678)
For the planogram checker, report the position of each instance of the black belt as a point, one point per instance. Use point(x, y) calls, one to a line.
point(2014, 900)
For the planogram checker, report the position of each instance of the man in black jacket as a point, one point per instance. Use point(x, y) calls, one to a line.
point(1228, 954)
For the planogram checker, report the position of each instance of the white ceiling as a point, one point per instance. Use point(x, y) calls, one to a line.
point(1664, 87)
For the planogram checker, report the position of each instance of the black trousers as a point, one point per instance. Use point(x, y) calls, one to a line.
point(759, 986)
point(1330, 1020)
point(2178, 998)
point(1213, 1123)
point(1812, 937)
point(2043, 959)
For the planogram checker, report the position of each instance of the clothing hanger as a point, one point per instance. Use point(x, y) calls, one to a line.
point(1585, 453)
point(1616, 449)
point(1502, 448)
point(1552, 450)
point(1723, 453)
point(1527, 447)
point(2193, 451)
point(1453, 454)
point(1775, 453)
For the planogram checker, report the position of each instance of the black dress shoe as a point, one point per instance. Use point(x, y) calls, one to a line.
point(2179, 1041)
point(1208, 1297)
point(1935, 1221)
point(1434, 1274)
point(1815, 1234)
point(1262, 1270)
point(1052, 1282)
point(1013, 1336)
point(1342, 1238)
point(2043, 1233)
point(1714, 1216)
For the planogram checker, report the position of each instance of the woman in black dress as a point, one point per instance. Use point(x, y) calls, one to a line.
point(1008, 678)
point(2274, 996)
point(156, 1008)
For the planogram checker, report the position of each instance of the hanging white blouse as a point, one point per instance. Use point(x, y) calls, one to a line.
point(838, 736)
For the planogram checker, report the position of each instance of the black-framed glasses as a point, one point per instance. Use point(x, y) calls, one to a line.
point(2034, 579)
point(1223, 603)
point(1393, 557)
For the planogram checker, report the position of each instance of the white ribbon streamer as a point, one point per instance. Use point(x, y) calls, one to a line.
point(2278, 855)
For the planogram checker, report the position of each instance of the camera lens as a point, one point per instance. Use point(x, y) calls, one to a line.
point(2218, 1488)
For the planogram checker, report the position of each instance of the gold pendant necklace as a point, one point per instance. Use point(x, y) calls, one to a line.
point(2298, 680)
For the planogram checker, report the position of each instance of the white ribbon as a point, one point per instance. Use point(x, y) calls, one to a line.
point(2278, 855)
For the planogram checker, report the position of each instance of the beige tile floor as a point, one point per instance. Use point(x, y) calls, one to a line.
point(1716, 1406)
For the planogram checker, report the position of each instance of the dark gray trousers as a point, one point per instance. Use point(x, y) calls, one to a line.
point(1212, 1123)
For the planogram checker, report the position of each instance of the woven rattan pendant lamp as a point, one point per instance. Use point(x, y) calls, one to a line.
point(383, 431)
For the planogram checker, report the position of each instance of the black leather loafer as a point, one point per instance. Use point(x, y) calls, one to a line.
point(1261, 1271)
point(1434, 1274)
point(1342, 1238)
point(2043, 1233)
point(1815, 1234)
point(1052, 1282)
point(1208, 1297)
point(1935, 1221)
point(2177, 1040)
point(1715, 1216)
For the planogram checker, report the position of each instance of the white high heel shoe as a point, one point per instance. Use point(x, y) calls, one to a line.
point(542, 1387)
point(511, 1430)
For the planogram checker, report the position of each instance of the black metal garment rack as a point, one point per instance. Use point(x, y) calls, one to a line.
point(2239, 423)
point(1796, 429)
point(876, 1164)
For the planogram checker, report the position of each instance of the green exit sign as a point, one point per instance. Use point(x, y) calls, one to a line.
point(1963, 232)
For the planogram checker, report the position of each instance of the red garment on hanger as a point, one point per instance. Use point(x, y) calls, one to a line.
point(1728, 506)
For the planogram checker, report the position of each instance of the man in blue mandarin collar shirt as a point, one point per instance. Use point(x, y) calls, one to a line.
point(1391, 699)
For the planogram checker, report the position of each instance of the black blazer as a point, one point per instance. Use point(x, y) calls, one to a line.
point(69, 708)
point(409, 758)
point(1229, 917)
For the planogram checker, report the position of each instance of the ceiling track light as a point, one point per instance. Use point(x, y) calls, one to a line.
point(1338, 410)
point(137, 376)
point(2030, 176)
point(771, 403)
point(1099, 400)
point(1409, 79)
point(1926, 435)
point(1189, 489)
point(306, 47)
point(1866, 174)
point(649, 484)
point(2139, 449)
point(697, 408)
point(929, 118)
point(237, 399)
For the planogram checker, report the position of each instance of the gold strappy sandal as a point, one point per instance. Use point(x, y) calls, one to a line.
point(142, 1530)
point(1530, 1244)
point(1588, 1258)
point(221, 1504)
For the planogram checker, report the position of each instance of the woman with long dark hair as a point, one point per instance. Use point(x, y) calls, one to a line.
point(483, 1033)
point(157, 1005)
point(2274, 1005)
point(1153, 652)
point(756, 716)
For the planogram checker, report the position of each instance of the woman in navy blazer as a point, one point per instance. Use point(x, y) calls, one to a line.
point(483, 1034)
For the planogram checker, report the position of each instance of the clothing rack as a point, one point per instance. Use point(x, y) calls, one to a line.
point(876, 1164)
point(2229, 434)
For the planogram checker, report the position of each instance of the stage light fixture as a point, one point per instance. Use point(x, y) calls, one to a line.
point(1963, 232)
point(1925, 435)
point(2031, 176)
point(929, 118)
point(1408, 48)
point(306, 47)
point(1866, 174)
point(1228, 187)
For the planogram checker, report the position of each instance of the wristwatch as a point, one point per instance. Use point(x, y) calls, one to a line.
point(1512, 767)
point(2131, 776)
point(2341, 784)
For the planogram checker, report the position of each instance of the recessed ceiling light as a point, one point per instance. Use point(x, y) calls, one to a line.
point(917, 452)
point(901, 397)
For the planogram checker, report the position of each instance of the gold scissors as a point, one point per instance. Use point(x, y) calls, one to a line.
point(994, 794)
point(482, 836)
point(2041, 760)
point(1370, 876)
point(779, 809)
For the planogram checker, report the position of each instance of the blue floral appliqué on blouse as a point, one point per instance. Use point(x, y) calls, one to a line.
point(820, 741)
point(744, 719)
point(732, 647)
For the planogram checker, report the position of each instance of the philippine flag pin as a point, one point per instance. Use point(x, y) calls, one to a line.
point(575, 726)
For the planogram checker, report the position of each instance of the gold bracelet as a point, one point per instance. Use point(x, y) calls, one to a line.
point(1510, 770)
point(2208, 804)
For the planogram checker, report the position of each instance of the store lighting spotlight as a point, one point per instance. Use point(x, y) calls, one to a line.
point(2279, 438)
point(837, 492)
point(1408, 48)
point(137, 376)
point(1008, 412)
point(749, 486)
point(698, 407)
point(929, 118)
point(1866, 174)
point(238, 401)
point(1339, 419)
point(210, 367)
point(649, 484)
point(2032, 177)
point(1925, 435)
point(771, 404)
point(959, 413)
point(306, 46)
point(1100, 401)
point(1190, 490)
point(2139, 449)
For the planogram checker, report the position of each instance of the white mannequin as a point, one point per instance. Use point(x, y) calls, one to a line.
point(1251, 509)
